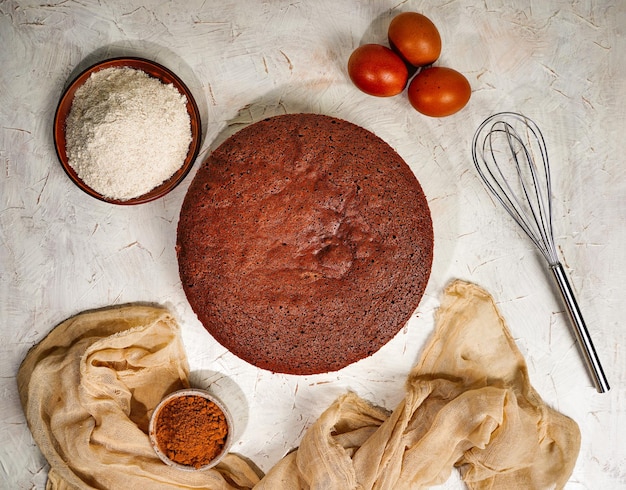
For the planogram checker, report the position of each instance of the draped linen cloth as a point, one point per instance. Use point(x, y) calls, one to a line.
point(89, 387)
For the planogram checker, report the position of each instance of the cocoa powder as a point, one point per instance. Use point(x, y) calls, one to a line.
point(191, 430)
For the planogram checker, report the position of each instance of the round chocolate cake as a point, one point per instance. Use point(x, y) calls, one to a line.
point(304, 243)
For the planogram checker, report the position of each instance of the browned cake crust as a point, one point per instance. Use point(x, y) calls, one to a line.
point(304, 243)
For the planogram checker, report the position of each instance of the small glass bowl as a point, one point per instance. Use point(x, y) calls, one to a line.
point(179, 394)
point(154, 70)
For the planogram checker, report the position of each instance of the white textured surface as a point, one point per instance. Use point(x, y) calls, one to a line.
point(559, 61)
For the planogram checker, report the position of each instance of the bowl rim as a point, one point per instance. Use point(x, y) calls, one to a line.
point(155, 70)
point(190, 392)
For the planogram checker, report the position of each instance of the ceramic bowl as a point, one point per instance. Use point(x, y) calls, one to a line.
point(154, 422)
point(154, 70)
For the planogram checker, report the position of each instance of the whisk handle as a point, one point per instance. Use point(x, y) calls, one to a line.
point(580, 329)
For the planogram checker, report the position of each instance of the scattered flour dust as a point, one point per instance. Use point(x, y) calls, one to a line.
point(126, 132)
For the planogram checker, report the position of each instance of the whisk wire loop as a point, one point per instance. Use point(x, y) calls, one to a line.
point(540, 206)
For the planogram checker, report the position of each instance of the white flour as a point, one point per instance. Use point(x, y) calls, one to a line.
point(126, 132)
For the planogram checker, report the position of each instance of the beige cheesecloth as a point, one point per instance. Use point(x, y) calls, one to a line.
point(89, 387)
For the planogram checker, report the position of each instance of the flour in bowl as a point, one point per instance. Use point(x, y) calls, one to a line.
point(126, 132)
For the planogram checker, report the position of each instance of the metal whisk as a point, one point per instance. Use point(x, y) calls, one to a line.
point(511, 158)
